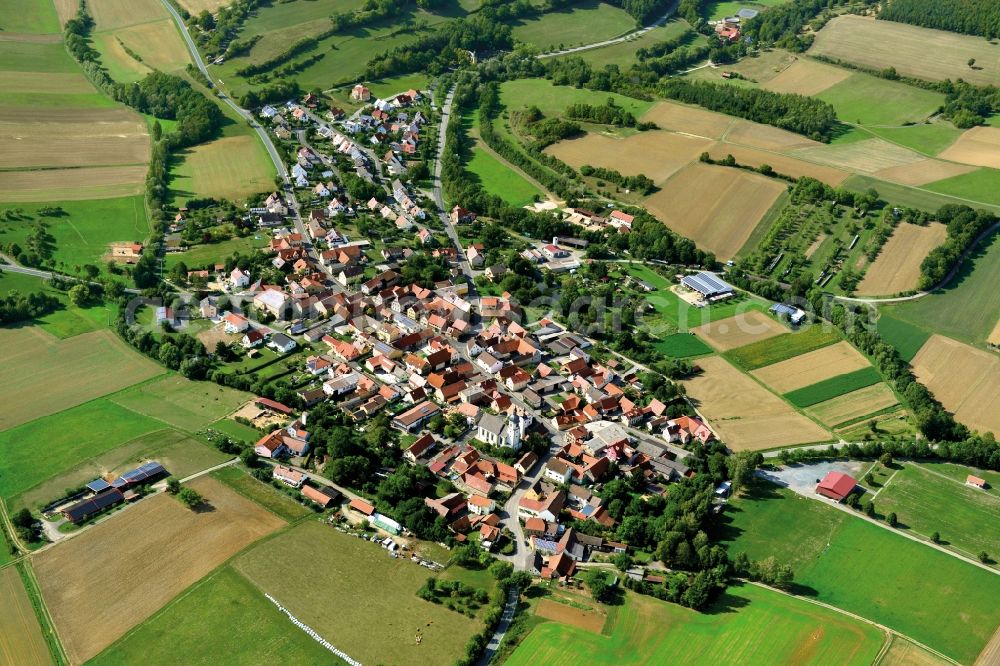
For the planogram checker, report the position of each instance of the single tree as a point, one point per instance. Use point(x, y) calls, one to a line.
point(173, 486)
point(936, 537)
point(190, 498)
point(984, 557)
point(78, 294)
point(891, 519)
point(972, 63)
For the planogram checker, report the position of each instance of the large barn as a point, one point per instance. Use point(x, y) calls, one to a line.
point(708, 284)
point(836, 486)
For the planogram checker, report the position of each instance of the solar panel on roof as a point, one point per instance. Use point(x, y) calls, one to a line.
point(97, 485)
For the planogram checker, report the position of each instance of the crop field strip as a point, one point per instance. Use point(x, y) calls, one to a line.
point(21, 639)
point(854, 406)
point(812, 367)
point(897, 267)
point(833, 387)
point(739, 330)
point(772, 350)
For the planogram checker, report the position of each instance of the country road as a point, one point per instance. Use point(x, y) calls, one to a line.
point(617, 40)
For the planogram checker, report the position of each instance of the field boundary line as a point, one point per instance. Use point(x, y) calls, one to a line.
point(44, 616)
point(313, 633)
point(886, 484)
point(861, 618)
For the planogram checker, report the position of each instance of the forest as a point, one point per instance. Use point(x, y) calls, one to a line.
point(971, 17)
point(782, 24)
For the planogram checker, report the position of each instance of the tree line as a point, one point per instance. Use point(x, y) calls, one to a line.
point(639, 183)
point(971, 17)
point(15, 306)
point(782, 24)
point(964, 226)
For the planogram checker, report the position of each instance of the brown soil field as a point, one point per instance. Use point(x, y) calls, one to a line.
point(43, 82)
point(196, 7)
point(53, 374)
point(689, 119)
point(807, 77)
point(159, 44)
point(739, 330)
point(869, 156)
point(897, 267)
point(105, 581)
point(966, 380)
point(994, 338)
point(979, 146)
point(912, 50)
point(811, 367)
point(658, 155)
point(72, 137)
point(766, 137)
point(923, 172)
point(790, 166)
point(746, 416)
point(21, 640)
point(854, 405)
point(716, 207)
point(111, 14)
point(71, 184)
point(576, 617)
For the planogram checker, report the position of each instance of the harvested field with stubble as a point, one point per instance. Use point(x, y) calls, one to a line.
point(812, 367)
point(195, 7)
point(690, 119)
point(739, 330)
point(914, 51)
point(21, 640)
point(897, 267)
point(854, 405)
point(657, 155)
point(697, 203)
point(979, 146)
point(868, 156)
point(783, 164)
point(158, 43)
point(42, 375)
point(590, 620)
point(923, 172)
point(766, 137)
point(44, 82)
point(807, 77)
point(109, 14)
point(966, 380)
point(71, 184)
point(746, 416)
point(994, 337)
point(96, 593)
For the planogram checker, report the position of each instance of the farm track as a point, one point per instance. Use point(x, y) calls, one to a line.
point(617, 40)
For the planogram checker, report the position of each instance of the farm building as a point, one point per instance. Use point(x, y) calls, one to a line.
point(93, 505)
point(362, 506)
point(794, 314)
point(709, 285)
point(288, 476)
point(836, 485)
point(324, 496)
point(140, 475)
point(975, 481)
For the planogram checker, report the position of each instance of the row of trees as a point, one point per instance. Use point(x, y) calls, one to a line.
point(639, 183)
point(607, 114)
point(15, 306)
point(964, 226)
point(972, 17)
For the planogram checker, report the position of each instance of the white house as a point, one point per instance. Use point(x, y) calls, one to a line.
point(558, 471)
point(238, 278)
point(289, 476)
point(281, 343)
point(235, 323)
point(480, 505)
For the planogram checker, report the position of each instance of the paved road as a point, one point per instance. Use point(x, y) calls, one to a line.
point(617, 40)
point(510, 609)
point(48, 275)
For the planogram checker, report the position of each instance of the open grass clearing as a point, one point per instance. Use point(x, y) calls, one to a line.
point(746, 416)
point(658, 155)
point(44, 375)
point(111, 14)
point(21, 639)
point(695, 203)
point(854, 405)
point(550, 99)
point(739, 330)
point(238, 431)
point(812, 367)
point(49, 56)
point(207, 255)
point(807, 77)
point(158, 43)
point(67, 320)
point(44, 82)
point(868, 100)
point(623, 54)
point(966, 380)
point(224, 614)
point(772, 350)
point(981, 185)
point(71, 184)
point(270, 498)
point(979, 146)
point(682, 345)
point(897, 267)
point(892, 423)
point(29, 16)
point(913, 51)
point(500, 180)
point(929, 138)
point(906, 195)
point(923, 172)
point(196, 7)
point(581, 23)
point(926, 502)
point(867, 156)
point(160, 548)
point(689, 119)
point(931, 596)
point(968, 308)
point(719, 9)
point(904, 336)
point(783, 164)
point(353, 585)
point(748, 624)
point(182, 402)
point(179, 453)
point(828, 389)
point(233, 167)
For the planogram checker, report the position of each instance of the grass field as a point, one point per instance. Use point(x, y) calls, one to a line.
point(551, 99)
point(83, 234)
point(867, 156)
point(583, 23)
point(812, 367)
point(64, 322)
point(927, 138)
point(182, 402)
point(854, 405)
point(833, 387)
point(968, 308)
point(54, 374)
point(152, 562)
point(236, 430)
point(232, 167)
point(353, 586)
point(21, 639)
point(682, 345)
point(748, 625)
point(745, 415)
point(979, 185)
point(181, 454)
point(904, 653)
point(29, 17)
point(213, 253)
point(912, 50)
point(624, 53)
point(772, 350)
point(718, 9)
point(933, 597)
point(914, 197)
point(897, 267)
point(740, 330)
point(868, 100)
point(500, 180)
point(927, 502)
point(974, 399)
point(223, 614)
point(270, 498)
point(49, 446)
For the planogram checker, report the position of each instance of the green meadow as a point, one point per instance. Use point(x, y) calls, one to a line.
point(582, 23)
point(981, 185)
point(868, 100)
point(500, 180)
point(833, 387)
point(552, 99)
point(765, 352)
